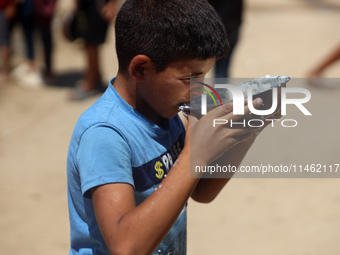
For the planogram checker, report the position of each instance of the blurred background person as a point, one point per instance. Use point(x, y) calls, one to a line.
point(35, 15)
point(96, 15)
point(7, 13)
point(231, 14)
point(43, 13)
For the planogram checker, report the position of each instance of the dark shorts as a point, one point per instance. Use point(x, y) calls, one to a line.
point(96, 26)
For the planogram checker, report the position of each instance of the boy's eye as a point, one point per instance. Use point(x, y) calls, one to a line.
point(188, 78)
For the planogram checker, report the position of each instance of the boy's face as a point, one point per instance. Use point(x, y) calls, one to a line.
point(166, 90)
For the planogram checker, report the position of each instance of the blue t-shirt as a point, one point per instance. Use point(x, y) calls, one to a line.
point(113, 143)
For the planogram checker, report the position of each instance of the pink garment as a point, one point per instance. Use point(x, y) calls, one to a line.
point(43, 12)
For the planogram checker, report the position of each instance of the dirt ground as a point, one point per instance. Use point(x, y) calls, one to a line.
point(295, 216)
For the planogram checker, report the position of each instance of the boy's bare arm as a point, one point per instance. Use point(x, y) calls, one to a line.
point(207, 189)
point(128, 229)
point(131, 229)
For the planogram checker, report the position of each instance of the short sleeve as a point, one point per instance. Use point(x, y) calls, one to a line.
point(103, 157)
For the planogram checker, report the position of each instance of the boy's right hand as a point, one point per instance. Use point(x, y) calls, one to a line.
point(207, 142)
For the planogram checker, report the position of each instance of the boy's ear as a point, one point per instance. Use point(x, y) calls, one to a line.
point(139, 67)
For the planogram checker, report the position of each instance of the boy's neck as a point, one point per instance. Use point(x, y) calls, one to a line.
point(126, 87)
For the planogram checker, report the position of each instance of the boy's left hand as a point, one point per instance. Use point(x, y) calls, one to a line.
point(275, 116)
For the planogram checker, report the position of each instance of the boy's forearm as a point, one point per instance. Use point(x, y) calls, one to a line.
point(141, 229)
point(207, 189)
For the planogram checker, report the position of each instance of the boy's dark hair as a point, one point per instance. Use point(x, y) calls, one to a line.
point(169, 30)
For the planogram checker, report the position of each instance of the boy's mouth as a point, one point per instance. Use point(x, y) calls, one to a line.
point(182, 101)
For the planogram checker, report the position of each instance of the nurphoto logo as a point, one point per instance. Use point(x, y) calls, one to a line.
point(273, 91)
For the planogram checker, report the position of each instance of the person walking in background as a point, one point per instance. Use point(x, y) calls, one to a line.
point(25, 73)
point(230, 12)
point(7, 12)
point(97, 16)
point(43, 12)
point(32, 15)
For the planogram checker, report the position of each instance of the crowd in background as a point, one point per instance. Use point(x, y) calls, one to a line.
point(30, 15)
point(90, 21)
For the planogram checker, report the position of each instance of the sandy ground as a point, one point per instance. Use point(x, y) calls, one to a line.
point(251, 216)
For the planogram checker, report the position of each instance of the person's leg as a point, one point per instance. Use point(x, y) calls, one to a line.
point(27, 22)
point(5, 55)
point(47, 40)
point(222, 66)
point(94, 37)
point(92, 76)
point(4, 46)
point(4, 58)
point(90, 84)
point(329, 60)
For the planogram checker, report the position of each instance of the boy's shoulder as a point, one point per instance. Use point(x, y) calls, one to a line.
point(106, 111)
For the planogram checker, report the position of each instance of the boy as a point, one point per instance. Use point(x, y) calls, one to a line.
point(122, 197)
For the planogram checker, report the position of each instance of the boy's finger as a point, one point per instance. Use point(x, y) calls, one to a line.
point(256, 104)
point(224, 109)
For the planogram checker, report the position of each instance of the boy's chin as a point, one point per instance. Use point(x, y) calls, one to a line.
point(170, 114)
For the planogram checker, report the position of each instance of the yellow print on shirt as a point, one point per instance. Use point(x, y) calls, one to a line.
point(179, 148)
point(159, 170)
